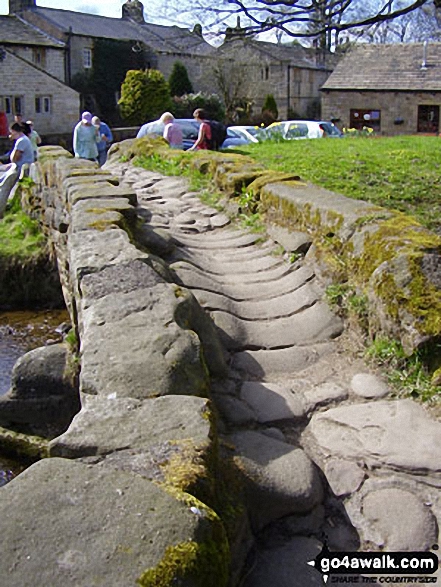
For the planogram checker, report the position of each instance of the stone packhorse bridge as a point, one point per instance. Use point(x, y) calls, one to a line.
point(224, 432)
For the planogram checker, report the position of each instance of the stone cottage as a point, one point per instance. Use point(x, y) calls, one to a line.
point(293, 74)
point(32, 74)
point(393, 89)
point(160, 46)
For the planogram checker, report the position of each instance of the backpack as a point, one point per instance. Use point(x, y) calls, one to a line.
point(218, 134)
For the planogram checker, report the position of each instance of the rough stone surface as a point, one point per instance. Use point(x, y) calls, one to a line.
point(104, 426)
point(383, 433)
point(95, 526)
point(272, 402)
point(43, 399)
point(369, 386)
point(397, 520)
point(132, 347)
point(344, 477)
point(291, 240)
point(286, 565)
point(280, 479)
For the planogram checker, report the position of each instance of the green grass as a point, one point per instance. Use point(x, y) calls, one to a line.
point(401, 173)
point(20, 236)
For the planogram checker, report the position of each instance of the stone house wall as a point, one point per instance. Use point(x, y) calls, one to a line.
point(64, 101)
point(51, 59)
point(393, 106)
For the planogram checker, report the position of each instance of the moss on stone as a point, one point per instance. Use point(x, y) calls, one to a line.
point(189, 468)
point(23, 446)
point(190, 564)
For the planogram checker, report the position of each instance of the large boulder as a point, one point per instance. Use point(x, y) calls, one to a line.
point(101, 527)
point(43, 397)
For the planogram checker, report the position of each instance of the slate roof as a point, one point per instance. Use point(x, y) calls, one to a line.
point(159, 37)
point(388, 67)
point(291, 54)
point(14, 31)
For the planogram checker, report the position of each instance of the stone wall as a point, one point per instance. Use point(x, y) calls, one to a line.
point(401, 106)
point(64, 101)
point(141, 453)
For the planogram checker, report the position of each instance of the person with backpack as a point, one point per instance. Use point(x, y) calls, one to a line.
point(204, 136)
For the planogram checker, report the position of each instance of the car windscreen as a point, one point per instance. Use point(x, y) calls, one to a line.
point(296, 130)
point(330, 129)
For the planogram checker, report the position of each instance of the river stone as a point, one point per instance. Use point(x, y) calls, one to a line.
point(104, 426)
point(42, 399)
point(286, 565)
point(369, 386)
point(383, 433)
point(66, 524)
point(280, 479)
point(398, 521)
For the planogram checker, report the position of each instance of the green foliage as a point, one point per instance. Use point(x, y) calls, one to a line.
point(179, 81)
point(401, 173)
point(111, 61)
point(408, 375)
point(270, 105)
point(184, 106)
point(20, 236)
point(145, 96)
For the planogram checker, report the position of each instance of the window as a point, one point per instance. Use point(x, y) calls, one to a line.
point(87, 58)
point(39, 56)
point(428, 119)
point(12, 104)
point(264, 73)
point(43, 104)
point(360, 119)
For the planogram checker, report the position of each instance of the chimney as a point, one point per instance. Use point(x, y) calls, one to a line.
point(133, 10)
point(16, 6)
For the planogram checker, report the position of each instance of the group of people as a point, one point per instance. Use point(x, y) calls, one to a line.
point(91, 139)
point(25, 146)
point(166, 127)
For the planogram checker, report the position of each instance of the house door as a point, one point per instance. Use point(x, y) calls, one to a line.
point(428, 119)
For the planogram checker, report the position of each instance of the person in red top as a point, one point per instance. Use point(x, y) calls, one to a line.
point(204, 137)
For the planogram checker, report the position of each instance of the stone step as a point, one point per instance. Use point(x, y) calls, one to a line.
point(281, 306)
point(245, 291)
point(314, 324)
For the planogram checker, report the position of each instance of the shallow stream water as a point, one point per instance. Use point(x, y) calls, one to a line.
point(21, 332)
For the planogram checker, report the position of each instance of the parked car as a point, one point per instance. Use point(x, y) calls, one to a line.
point(250, 133)
point(190, 130)
point(303, 129)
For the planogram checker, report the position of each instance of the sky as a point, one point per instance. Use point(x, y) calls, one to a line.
point(101, 7)
point(153, 9)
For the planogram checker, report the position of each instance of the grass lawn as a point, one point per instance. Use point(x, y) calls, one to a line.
point(401, 173)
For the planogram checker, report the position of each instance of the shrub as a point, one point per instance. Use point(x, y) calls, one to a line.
point(179, 81)
point(270, 106)
point(145, 95)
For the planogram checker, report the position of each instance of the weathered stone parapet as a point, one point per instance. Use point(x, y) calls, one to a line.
point(144, 494)
point(385, 255)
